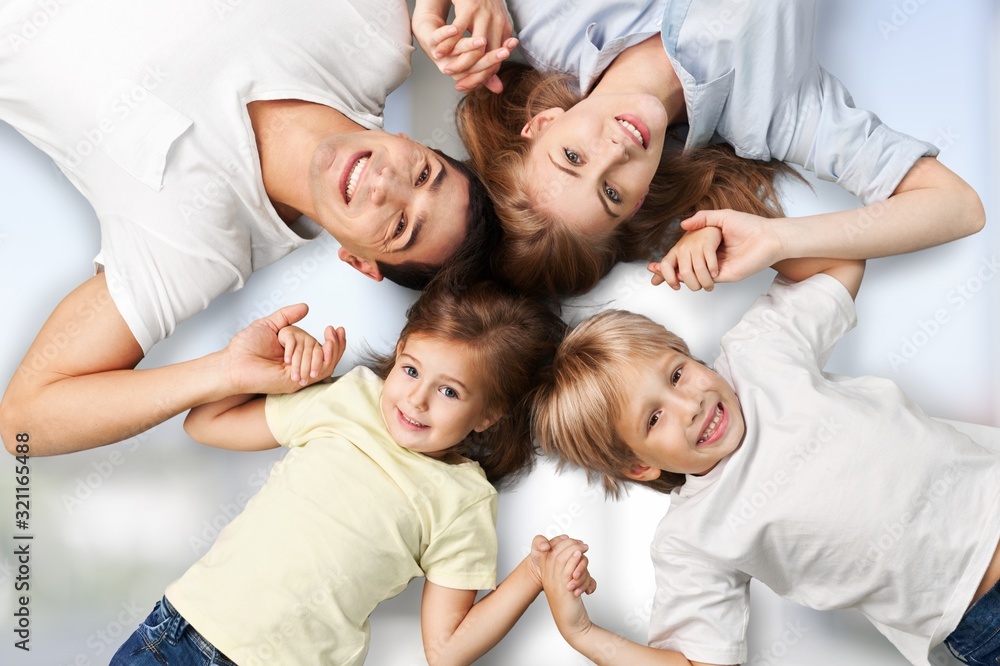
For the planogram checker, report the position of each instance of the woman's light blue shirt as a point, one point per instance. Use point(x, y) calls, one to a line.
point(750, 78)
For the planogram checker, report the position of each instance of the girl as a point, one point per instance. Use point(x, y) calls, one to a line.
point(388, 478)
point(583, 176)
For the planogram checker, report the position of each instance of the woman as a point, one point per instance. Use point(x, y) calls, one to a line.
point(583, 183)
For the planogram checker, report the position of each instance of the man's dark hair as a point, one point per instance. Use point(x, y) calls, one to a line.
point(470, 262)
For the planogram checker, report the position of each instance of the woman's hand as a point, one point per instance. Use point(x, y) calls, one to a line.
point(307, 360)
point(749, 244)
point(471, 61)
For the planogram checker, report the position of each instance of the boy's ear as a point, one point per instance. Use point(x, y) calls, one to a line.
point(539, 122)
point(640, 472)
point(369, 268)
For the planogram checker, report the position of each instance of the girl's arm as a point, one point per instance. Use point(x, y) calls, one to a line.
point(236, 422)
point(601, 646)
point(930, 206)
point(458, 630)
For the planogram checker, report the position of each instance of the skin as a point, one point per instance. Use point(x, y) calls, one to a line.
point(456, 629)
point(304, 150)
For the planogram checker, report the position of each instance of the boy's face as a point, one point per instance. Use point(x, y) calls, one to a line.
point(680, 417)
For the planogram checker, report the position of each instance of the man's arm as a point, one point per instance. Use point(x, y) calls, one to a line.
point(76, 387)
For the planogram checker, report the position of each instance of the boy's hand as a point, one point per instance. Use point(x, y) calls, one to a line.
point(580, 581)
point(559, 567)
point(750, 243)
point(471, 61)
point(692, 260)
point(307, 360)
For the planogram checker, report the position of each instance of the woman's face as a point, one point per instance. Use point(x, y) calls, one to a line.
point(591, 165)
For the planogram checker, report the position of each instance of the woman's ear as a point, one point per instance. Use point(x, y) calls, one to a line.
point(640, 472)
point(539, 122)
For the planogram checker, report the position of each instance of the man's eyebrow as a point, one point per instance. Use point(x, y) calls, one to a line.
point(417, 226)
point(563, 167)
point(439, 179)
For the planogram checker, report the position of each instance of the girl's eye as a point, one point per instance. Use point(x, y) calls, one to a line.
point(612, 194)
point(400, 227)
point(571, 156)
point(653, 420)
point(676, 377)
point(448, 392)
point(424, 175)
point(410, 371)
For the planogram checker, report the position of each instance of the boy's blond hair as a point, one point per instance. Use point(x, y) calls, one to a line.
point(576, 411)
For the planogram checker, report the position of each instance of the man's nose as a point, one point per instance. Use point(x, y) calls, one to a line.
point(387, 186)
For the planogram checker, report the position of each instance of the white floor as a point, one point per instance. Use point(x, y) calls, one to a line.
point(114, 526)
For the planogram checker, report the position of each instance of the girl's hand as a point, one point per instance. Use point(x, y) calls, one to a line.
point(580, 581)
point(471, 61)
point(559, 566)
point(306, 359)
point(692, 260)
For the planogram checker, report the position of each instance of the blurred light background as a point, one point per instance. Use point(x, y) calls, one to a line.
point(114, 526)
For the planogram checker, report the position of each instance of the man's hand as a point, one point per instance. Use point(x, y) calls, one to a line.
point(255, 357)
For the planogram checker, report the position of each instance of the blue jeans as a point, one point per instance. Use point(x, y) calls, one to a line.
point(976, 639)
point(166, 639)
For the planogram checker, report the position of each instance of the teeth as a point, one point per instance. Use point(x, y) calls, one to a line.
point(352, 180)
point(711, 426)
point(411, 421)
point(631, 128)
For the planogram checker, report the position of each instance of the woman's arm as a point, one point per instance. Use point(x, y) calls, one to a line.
point(601, 646)
point(930, 206)
point(458, 630)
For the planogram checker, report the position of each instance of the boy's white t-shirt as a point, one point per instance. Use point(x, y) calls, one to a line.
point(345, 520)
point(843, 494)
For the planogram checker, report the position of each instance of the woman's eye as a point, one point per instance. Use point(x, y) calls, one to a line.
point(400, 227)
point(572, 156)
point(653, 420)
point(424, 175)
point(676, 377)
point(448, 392)
point(612, 193)
point(410, 371)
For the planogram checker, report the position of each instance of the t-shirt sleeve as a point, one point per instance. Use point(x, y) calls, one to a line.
point(799, 321)
point(699, 610)
point(844, 144)
point(463, 555)
point(291, 417)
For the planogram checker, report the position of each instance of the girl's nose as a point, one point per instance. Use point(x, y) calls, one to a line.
point(418, 397)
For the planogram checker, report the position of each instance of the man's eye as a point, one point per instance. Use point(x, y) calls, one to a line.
point(400, 227)
point(424, 175)
point(653, 420)
point(612, 193)
point(572, 156)
point(448, 392)
point(410, 370)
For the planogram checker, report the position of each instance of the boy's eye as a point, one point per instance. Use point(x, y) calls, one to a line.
point(612, 194)
point(424, 175)
point(410, 371)
point(448, 392)
point(653, 420)
point(572, 156)
point(400, 227)
point(676, 377)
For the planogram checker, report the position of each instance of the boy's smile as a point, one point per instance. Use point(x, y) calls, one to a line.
point(680, 417)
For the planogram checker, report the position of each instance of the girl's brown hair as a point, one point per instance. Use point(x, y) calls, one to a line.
point(513, 338)
point(578, 407)
point(539, 252)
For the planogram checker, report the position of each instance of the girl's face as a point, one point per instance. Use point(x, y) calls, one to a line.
point(433, 397)
point(591, 165)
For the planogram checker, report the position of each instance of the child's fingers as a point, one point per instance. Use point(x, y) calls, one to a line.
point(442, 40)
point(712, 261)
point(317, 362)
point(288, 342)
point(467, 45)
point(296, 362)
point(654, 268)
point(702, 275)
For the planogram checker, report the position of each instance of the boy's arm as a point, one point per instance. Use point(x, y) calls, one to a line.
point(601, 646)
point(458, 630)
point(846, 271)
point(236, 422)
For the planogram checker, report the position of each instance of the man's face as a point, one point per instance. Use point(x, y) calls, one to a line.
point(680, 417)
point(386, 198)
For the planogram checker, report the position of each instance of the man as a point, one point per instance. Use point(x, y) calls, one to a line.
point(202, 134)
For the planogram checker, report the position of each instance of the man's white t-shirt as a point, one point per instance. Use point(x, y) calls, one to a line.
point(843, 494)
point(143, 107)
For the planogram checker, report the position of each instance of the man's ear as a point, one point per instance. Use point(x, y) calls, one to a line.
point(540, 121)
point(640, 472)
point(369, 268)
